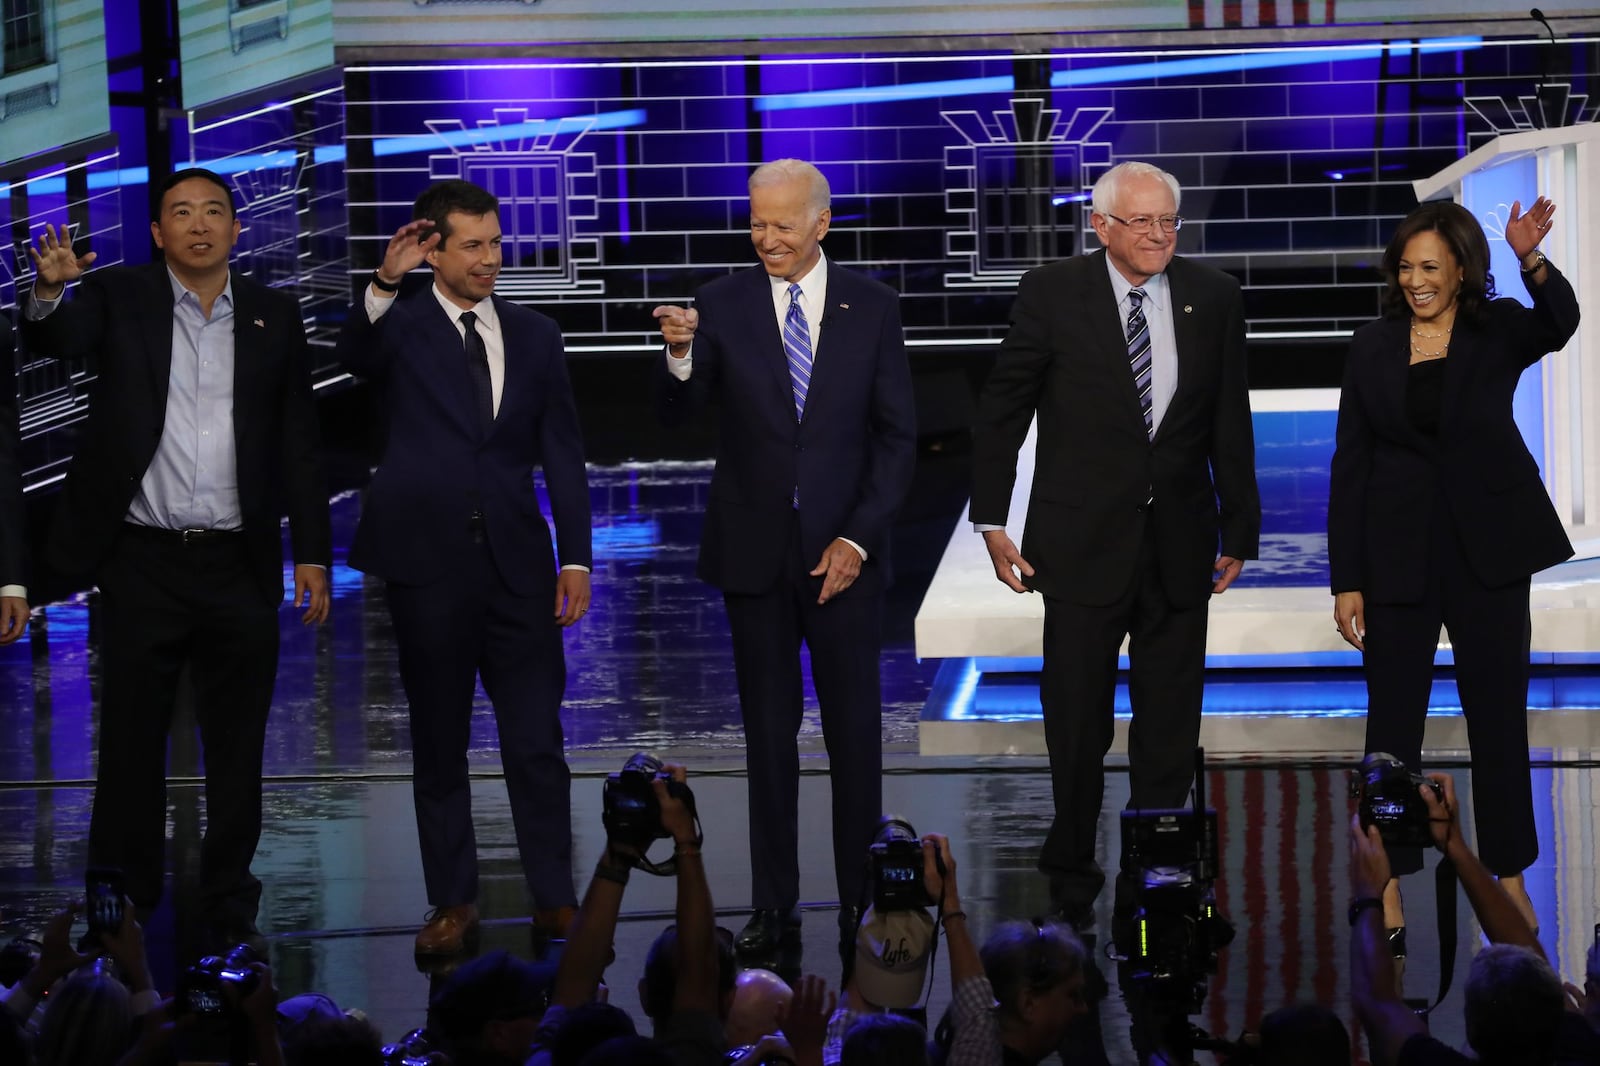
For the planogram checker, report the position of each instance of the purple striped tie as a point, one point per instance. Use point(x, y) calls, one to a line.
point(797, 347)
point(1139, 356)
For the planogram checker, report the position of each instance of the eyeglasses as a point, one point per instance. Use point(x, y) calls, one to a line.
point(1142, 224)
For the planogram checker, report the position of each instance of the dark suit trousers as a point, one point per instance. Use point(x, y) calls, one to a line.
point(1490, 633)
point(166, 605)
point(844, 637)
point(450, 633)
point(1166, 677)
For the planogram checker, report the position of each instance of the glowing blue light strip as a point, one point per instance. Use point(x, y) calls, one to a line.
point(1121, 72)
point(56, 184)
point(1171, 68)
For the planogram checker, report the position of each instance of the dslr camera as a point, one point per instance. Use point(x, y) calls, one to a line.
point(203, 988)
point(1386, 796)
point(894, 867)
point(631, 812)
point(416, 1048)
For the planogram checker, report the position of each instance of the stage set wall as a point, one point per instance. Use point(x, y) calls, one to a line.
point(956, 163)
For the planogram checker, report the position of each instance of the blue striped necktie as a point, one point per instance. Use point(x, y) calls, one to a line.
point(1139, 356)
point(797, 347)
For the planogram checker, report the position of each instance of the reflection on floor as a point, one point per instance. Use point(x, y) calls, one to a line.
point(650, 670)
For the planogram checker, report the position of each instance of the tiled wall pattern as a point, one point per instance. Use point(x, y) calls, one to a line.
point(950, 174)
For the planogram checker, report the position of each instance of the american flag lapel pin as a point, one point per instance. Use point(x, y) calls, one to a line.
point(260, 324)
point(844, 307)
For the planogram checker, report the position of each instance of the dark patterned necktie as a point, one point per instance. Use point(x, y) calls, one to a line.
point(1139, 356)
point(478, 367)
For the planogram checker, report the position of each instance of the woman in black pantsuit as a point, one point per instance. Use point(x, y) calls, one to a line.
point(1436, 511)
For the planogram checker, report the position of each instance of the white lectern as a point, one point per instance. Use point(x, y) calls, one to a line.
point(1558, 409)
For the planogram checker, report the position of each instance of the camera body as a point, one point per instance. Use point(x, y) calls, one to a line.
point(1177, 930)
point(894, 864)
point(629, 808)
point(1386, 796)
point(203, 989)
point(416, 1048)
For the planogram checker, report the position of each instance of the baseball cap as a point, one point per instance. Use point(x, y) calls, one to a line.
point(892, 952)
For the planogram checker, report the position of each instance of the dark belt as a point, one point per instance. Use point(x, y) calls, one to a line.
point(189, 537)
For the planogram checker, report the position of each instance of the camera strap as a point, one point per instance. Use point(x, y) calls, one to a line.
point(1444, 895)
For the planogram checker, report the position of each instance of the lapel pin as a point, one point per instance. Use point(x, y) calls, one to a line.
point(844, 307)
point(261, 324)
point(1188, 309)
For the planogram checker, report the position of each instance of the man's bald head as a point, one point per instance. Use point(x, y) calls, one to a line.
point(759, 999)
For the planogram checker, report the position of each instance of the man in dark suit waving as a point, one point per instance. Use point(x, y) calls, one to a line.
point(202, 432)
point(1143, 505)
point(13, 528)
point(478, 396)
point(817, 446)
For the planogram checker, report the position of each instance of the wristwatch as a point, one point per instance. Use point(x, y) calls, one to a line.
point(384, 286)
point(1538, 261)
point(1362, 904)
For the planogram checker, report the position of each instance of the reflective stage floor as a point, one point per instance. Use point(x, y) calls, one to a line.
point(650, 669)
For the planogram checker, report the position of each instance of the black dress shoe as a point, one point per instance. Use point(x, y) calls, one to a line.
point(761, 941)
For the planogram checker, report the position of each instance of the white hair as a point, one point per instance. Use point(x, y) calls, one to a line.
point(1110, 184)
point(782, 171)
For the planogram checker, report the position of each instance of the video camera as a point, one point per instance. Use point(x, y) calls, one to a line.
point(632, 814)
point(1176, 927)
point(203, 988)
point(1386, 795)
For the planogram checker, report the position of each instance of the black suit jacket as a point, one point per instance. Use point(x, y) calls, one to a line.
point(13, 523)
point(439, 466)
point(851, 457)
point(1387, 478)
point(1066, 358)
point(120, 319)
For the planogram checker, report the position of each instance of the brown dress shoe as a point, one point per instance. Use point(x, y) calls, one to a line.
point(448, 929)
point(553, 923)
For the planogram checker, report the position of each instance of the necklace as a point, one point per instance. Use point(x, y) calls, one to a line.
point(1418, 337)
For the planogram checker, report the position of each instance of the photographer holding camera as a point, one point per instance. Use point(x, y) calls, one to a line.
point(1514, 1004)
point(635, 817)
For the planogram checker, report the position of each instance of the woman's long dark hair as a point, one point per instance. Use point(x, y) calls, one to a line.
point(1460, 231)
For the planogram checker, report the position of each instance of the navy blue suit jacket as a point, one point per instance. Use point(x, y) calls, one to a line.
point(439, 466)
point(850, 458)
point(120, 319)
point(1387, 478)
point(13, 528)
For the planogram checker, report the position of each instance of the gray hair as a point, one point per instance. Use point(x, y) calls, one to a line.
point(1110, 184)
point(1513, 1006)
point(782, 171)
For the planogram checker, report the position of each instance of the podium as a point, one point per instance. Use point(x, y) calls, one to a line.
point(1558, 406)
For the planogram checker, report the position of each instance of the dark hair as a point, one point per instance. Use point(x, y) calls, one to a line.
point(441, 198)
point(1031, 957)
point(884, 1040)
point(1304, 1034)
point(587, 1027)
point(628, 1051)
point(1514, 1004)
point(179, 177)
point(1461, 233)
point(341, 1041)
point(660, 965)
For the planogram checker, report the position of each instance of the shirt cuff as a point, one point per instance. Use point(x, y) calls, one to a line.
point(376, 306)
point(679, 368)
point(35, 308)
point(19, 591)
point(576, 566)
point(859, 549)
point(983, 527)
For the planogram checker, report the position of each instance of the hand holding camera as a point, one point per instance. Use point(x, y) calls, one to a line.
point(1387, 797)
point(644, 802)
point(939, 873)
point(1444, 814)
